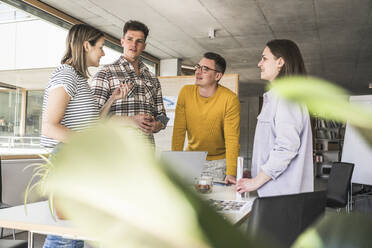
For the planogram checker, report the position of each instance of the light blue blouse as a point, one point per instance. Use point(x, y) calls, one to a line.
point(283, 147)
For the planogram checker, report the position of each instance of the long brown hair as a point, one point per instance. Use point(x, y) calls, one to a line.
point(75, 53)
point(289, 51)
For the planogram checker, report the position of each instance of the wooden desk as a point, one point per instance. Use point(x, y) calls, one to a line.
point(40, 220)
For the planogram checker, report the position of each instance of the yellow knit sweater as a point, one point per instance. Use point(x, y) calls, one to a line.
point(212, 124)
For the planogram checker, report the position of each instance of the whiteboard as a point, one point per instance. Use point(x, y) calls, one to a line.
point(356, 150)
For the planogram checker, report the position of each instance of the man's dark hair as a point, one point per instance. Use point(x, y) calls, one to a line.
point(218, 61)
point(289, 51)
point(136, 26)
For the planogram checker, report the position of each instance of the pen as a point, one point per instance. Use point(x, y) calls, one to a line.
point(220, 183)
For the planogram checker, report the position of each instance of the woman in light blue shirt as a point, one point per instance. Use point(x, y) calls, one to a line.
point(282, 161)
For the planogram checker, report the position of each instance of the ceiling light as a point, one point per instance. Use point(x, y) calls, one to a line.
point(211, 33)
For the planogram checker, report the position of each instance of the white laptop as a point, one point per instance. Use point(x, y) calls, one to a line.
point(186, 164)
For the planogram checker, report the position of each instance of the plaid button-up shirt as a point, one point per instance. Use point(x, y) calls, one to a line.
point(144, 97)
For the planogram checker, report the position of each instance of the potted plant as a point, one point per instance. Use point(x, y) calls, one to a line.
point(39, 183)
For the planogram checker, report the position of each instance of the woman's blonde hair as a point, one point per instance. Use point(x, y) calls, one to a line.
point(75, 54)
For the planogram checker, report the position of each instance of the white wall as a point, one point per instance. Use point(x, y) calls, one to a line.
point(170, 67)
point(356, 149)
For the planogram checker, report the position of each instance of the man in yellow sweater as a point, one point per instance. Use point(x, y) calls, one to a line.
point(210, 113)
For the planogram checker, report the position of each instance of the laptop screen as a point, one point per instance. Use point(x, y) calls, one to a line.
point(186, 164)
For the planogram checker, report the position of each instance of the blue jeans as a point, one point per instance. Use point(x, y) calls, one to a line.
point(53, 241)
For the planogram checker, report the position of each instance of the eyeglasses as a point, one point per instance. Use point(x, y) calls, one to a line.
point(203, 68)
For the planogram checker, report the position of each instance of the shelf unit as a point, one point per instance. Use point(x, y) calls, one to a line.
point(328, 141)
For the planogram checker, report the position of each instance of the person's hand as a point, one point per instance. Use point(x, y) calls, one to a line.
point(142, 121)
point(147, 123)
point(246, 185)
point(230, 179)
point(157, 126)
point(121, 92)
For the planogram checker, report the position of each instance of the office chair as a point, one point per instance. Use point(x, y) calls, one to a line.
point(2, 204)
point(280, 219)
point(338, 188)
point(6, 243)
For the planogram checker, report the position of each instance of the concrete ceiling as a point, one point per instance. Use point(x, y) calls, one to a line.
point(335, 36)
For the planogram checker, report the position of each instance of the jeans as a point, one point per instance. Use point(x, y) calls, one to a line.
point(53, 241)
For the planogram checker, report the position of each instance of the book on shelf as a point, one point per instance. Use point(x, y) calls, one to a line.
point(326, 134)
point(333, 147)
point(320, 123)
point(319, 158)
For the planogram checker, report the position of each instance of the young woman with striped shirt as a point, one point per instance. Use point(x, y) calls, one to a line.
point(69, 104)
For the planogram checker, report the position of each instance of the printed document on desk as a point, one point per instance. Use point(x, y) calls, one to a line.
point(233, 209)
point(230, 205)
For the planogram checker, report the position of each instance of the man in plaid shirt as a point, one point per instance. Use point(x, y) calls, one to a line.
point(144, 103)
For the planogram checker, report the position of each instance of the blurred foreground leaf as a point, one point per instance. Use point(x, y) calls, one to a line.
point(336, 230)
point(109, 183)
point(326, 101)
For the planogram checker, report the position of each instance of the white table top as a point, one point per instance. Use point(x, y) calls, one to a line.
point(37, 220)
point(220, 192)
point(40, 220)
point(23, 151)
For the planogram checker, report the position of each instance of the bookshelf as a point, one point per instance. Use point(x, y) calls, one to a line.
point(328, 141)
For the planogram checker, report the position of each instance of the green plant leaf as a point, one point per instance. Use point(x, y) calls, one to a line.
point(325, 100)
point(110, 175)
point(309, 239)
point(38, 181)
point(338, 230)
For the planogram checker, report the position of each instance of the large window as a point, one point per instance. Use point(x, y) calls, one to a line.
point(28, 65)
point(20, 118)
point(151, 65)
point(10, 112)
point(33, 112)
point(8, 14)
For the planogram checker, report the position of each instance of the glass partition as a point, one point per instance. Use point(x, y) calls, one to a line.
point(20, 127)
point(33, 113)
point(10, 112)
point(21, 104)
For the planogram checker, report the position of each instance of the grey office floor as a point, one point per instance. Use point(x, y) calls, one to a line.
point(320, 184)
